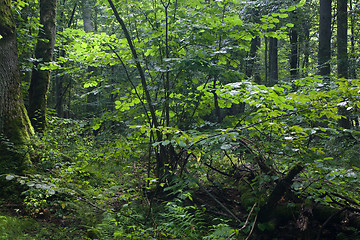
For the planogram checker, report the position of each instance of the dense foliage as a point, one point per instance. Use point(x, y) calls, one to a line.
point(165, 122)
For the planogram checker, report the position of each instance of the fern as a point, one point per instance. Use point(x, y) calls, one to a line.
point(221, 231)
point(182, 221)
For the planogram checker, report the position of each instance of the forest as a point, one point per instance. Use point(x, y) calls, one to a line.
point(180, 119)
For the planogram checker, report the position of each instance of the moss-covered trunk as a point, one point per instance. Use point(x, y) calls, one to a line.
point(40, 79)
point(15, 127)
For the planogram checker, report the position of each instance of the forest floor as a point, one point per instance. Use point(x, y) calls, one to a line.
point(16, 223)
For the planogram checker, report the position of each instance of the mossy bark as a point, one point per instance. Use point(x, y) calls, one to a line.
point(15, 126)
point(40, 79)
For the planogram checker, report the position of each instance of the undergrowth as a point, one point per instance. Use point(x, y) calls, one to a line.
point(86, 184)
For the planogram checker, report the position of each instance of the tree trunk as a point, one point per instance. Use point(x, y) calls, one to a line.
point(342, 55)
point(87, 16)
point(352, 65)
point(294, 53)
point(216, 103)
point(15, 126)
point(324, 54)
point(251, 62)
point(306, 50)
point(59, 96)
point(162, 156)
point(40, 79)
point(342, 38)
point(91, 99)
point(273, 62)
point(266, 57)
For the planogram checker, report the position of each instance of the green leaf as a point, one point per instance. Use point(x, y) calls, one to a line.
point(275, 20)
point(225, 146)
point(10, 177)
point(292, 8)
point(182, 143)
point(96, 126)
point(166, 142)
point(30, 184)
point(301, 3)
point(51, 191)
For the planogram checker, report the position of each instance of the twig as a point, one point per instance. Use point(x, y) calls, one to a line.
point(104, 210)
point(308, 179)
point(217, 170)
point(261, 122)
point(92, 204)
point(346, 198)
point(218, 202)
point(215, 199)
point(139, 68)
point(248, 217)
point(343, 205)
point(252, 228)
point(328, 220)
point(132, 84)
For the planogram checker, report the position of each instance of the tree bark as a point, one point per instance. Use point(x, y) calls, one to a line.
point(40, 79)
point(216, 103)
point(342, 38)
point(306, 49)
point(87, 16)
point(294, 53)
point(266, 57)
point(15, 126)
point(324, 54)
point(352, 65)
point(342, 55)
point(273, 61)
point(251, 66)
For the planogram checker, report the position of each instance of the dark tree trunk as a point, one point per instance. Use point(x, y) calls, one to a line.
point(40, 79)
point(324, 37)
point(59, 96)
point(266, 57)
point(306, 49)
point(251, 62)
point(216, 103)
point(342, 38)
point(15, 126)
point(273, 61)
point(294, 53)
point(342, 55)
point(352, 66)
